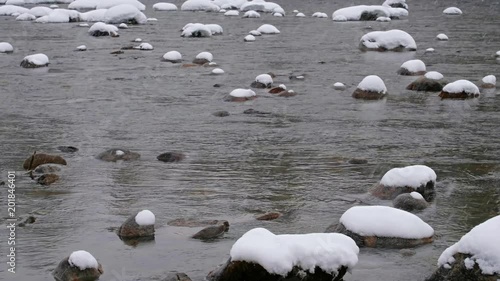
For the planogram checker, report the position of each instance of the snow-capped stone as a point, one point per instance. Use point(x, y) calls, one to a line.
point(268, 29)
point(60, 16)
point(430, 82)
point(34, 61)
point(124, 13)
point(251, 14)
point(261, 6)
point(410, 202)
point(383, 19)
point(412, 67)
point(123, 26)
point(460, 89)
point(396, 4)
point(255, 33)
point(391, 40)
point(300, 15)
point(215, 28)
point(54, 6)
point(82, 260)
point(199, 5)
point(497, 54)
point(138, 225)
point(196, 30)
point(278, 15)
point(369, 12)
point(429, 50)
point(145, 217)
point(81, 48)
point(103, 4)
point(80, 265)
point(151, 19)
point(434, 75)
point(279, 10)
point(489, 81)
point(319, 15)
point(162, 6)
point(6, 47)
point(371, 87)
point(232, 13)
point(145, 47)
point(340, 18)
point(381, 226)
point(452, 11)
point(203, 58)
point(442, 37)
point(173, 57)
point(241, 95)
point(229, 4)
point(137, 40)
point(262, 81)
point(94, 15)
point(295, 11)
point(26, 17)
point(222, 11)
point(217, 71)
point(40, 11)
point(339, 86)
point(249, 38)
point(9, 10)
point(102, 29)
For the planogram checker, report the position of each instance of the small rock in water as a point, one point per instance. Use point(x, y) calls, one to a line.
point(83, 25)
point(249, 38)
point(217, 71)
point(171, 157)
point(117, 52)
point(211, 232)
point(123, 26)
point(269, 216)
point(442, 37)
point(429, 50)
point(221, 113)
point(152, 19)
point(137, 40)
point(138, 225)
point(339, 86)
point(297, 77)
point(217, 85)
point(357, 161)
point(47, 179)
point(29, 220)
point(67, 149)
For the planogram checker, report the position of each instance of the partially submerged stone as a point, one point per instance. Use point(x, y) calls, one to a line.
point(79, 266)
point(115, 154)
point(269, 216)
point(413, 201)
point(192, 222)
point(212, 232)
point(138, 225)
point(171, 157)
point(41, 158)
point(424, 84)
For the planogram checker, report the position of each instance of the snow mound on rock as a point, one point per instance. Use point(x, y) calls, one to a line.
point(412, 176)
point(82, 260)
point(123, 14)
point(372, 83)
point(145, 217)
point(460, 86)
point(268, 29)
point(162, 6)
point(388, 40)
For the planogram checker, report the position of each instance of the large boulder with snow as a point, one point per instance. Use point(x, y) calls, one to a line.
point(384, 227)
point(432, 81)
point(371, 87)
point(124, 13)
point(101, 29)
point(419, 178)
point(410, 202)
point(35, 61)
point(141, 224)
point(391, 40)
point(318, 257)
point(38, 159)
point(173, 57)
point(9, 10)
point(114, 154)
point(80, 265)
point(60, 16)
point(367, 13)
point(199, 5)
point(412, 67)
point(241, 95)
point(460, 89)
point(476, 257)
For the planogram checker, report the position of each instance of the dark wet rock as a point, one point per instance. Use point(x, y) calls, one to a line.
point(47, 169)
point(357, 161)
point(130, 229)
point(287, 94)
point(200, 61)
point(29, 220)
point(221, 113)
point(194, 222)
point(372, 15)
point(114, 154)
point(2, 183)
point(390, 192)
point(67, 149)
point(28, 64)
point(212, 232)
point(409, 203)
point(230, 98)
point(255, 112)
point(40, 158)
point(66, 272)
point(488, 86)
point(117, 52)
point(424, 84)
point(269, 216)
point(277, 90)
point(260, 85)
point(171, 157)
point(99, 33)
point(460, 96)
point(177, 276)
point(368, 95)
point(405, 72)
point(217, 85)
point(248, 271)
point(382, 242)
point(459, 272)
point(129, 47)
point(47, 179)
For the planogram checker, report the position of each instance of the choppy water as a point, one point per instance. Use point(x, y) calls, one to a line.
point(293, 161)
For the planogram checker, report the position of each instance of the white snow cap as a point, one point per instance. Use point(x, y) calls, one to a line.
point(268, 7)
point(319, 15)
point(354, 13)
point(151, 19)
point(119, 152)
point(482, 243)
point(37, 59)
point(414, 65)
point(383, 221)
point(339, 18)
point(490, 79)
point(100, 26)
point(172, 56)
point(145, 217)
point(199, 5)
point(59, 16)
point(162, 6)
point(145, 47)
point(249, 38)
point(268, 29)
point(8, 10)
point(264, 79)
point(251, 14)
point(497, 54)
point(429, 50)
point(412, 176)
point(278, 254)
point(372, 83)
point(255, 33)
point(205, 55)
point(442, 37)
point(217, 71)
point(40, 11)
point(82, 260)
point(242, 93)
point(388, 3)
point(434, 75)
point(103, 4)
point(452, 11)
point(301, 15)
point(339, 86)
point(390, 39)
point(6, 47)
point(278, 15)
point(383, 19)
point(232, 13)
point(137, 40)
point(460, 86)
point(94, 15)
point(123, 25)
point(81, 48)
point(25, 17)
point(83, 25)
point(196, 29)
point(124, 13)
point(417, 195)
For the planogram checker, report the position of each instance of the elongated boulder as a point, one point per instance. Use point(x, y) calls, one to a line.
point(40, 158)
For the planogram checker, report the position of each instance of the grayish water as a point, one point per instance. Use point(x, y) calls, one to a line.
point(238, 166)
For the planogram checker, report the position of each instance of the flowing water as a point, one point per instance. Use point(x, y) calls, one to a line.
point(293, 161)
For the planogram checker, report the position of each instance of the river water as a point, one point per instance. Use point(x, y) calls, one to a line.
point(293, 161)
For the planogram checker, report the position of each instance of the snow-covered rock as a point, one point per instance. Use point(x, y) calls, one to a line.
point(262, 81)
point(124, 13)
point(320, 15)
point(196, 30)
point(442, 37)
point(139, 225)
point(83, 25)
point(276, 90)
point(396, 4)
point(255, 33)
point(94, 15)
point(268, 29)
point(429, 50)
point(241, 95)
point(430, 82)
point(9, 10)
point(217, 71)
point(103, 4)
point(251, 14)
point(151, 19)
point(412, 67)
point(102, 29)
point(489, 81)
point(391, 40)
point(261, 6)
point(249, 38)
point(497, 54)
point(81, 48)
point(339, 86)
point(6, 47)
point(369, 12)
point(60, 16)
point(144, 47)
point(452, 11)
point(80, 265)
point(162, 6)
point(123, 26)
point(229, 4)
point(137, 40)
point(434, 75)
point(261, 255)
point(278, 15)
point(339, 18)
point(26, 17)
point(232, 13)
point(409, 202)
point(300, 15)
point(419, 178)
point(371, 87)
point(215, 28)
point(34, 61)
point(476, 256)
point(40, 11)
point(460, 89)
point(203, 58)
point(173, 57)
point(381, 226)
point(54, 6)
point(383, 19)
point(199, 5)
